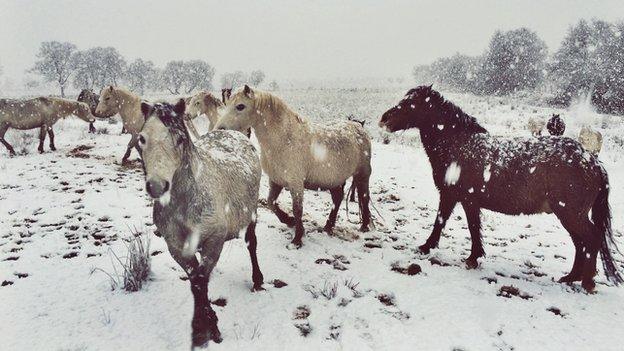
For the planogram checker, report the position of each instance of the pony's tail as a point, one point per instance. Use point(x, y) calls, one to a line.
point(601, 216)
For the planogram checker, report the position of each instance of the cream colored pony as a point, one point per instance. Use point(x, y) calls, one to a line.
point(115, 100)
point(207, 104)
point(299, 155)
point(42, 113)
point(590, 139)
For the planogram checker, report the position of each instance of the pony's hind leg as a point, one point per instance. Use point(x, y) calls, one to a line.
point(274, 192)
point(42, 135)
point(51, 135)
point(252, 243)
point(352, 195)
point(363, 195)
point(3, 130)
point(296, 193)
point(473, 216)
point(444, 212)
point(337, 195)
point(587, 243)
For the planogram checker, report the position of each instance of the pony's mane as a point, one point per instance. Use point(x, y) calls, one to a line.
point(450, 112)
point(213, 99)
point(264, 101)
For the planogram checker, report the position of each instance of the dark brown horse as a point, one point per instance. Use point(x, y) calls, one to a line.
point(556, 125)
point(89, 97)
point(512, 176)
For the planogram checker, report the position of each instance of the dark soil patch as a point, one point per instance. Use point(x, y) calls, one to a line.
point(509, 291)
point(221, 302)
point(279, 283)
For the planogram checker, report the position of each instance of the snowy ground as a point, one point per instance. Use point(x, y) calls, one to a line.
point(63, 213)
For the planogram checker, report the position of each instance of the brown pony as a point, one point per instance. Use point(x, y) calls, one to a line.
point(42, 113)
point(511, 176)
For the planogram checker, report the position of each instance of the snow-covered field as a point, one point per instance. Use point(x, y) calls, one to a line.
point(63, 214)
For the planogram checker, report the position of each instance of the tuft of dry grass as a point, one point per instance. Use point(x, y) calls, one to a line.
point(136, 265)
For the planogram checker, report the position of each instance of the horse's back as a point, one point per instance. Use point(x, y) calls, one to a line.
point(24, 113)
point(338, 150)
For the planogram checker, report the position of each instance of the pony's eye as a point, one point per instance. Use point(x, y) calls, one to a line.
point(107, 98)
point(141, 139)
point(240, 107)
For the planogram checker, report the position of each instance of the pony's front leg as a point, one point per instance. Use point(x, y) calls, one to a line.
point(296, 193)
point(42, 135)
point(204, 317)
point(51, 135)
point(337, 195)
point(473, 216)
point(252, 243)
point(444, 212)
point(91, 128)
point(274, 192)
point(131, 144)
point(3, 130)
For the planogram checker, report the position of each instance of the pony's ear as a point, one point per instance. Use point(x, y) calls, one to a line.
point(179, 107)
point(248, 91)
point(431, 86)
point(146, 109)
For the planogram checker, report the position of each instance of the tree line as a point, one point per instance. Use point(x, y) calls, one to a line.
point(94, 68)
point(590, 60)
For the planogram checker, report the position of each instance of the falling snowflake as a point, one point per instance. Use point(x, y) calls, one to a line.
point(452, 173)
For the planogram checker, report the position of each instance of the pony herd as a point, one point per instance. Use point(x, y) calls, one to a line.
point(206, 188)
point(588, 137)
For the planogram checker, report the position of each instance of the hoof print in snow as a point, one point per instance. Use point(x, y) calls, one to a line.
point(221, 302)
point(70, 255)
point(79, 191)
point(304, 328)
point(556, 311)
point(301, 312)
point(278, 283)
point(184, 277)
point(436, 262)
point(490, 280)
point(412, 269)
point(7, 283)
point(509, 291)
point(338, 262)
point(11, 258)
point(334, 331)
point(372, 245)
point(104, 219)
point(21, 275)
point(386, 299)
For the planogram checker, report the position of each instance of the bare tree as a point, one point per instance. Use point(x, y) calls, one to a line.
point(198, 75)
point(234, 80)
point(173, 76)
point(140, 75)
point(256, 78)
point(55, 63)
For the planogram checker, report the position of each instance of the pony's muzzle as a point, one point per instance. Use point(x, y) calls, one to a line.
point(156, 188)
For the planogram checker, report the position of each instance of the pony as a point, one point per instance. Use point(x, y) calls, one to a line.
point(556, 126)
point(115, 100)
point(590, 139)
point(226, 93)
point(205, 103)
point(512, 176)
point(92, 99)
point(205, 193)
point(362, 122)
point(535, 126)
point(42, 113)
point(299, 155)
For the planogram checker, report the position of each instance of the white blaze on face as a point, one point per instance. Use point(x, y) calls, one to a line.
point(452, 174)
point(319, 151)
point(165, 198)
point(487, 173)
point(191, 242)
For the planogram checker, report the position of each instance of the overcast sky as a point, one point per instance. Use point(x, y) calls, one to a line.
point(288, 39)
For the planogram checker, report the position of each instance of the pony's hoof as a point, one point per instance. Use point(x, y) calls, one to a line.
point(569, 279)
point(40, 151)
point(472, 263)
point(329, 229)
point(294, 245)
point(590, 287)
point(424, 249)
point(52, 148)
point(215, 336)
point(257, 288)
point(364, 228)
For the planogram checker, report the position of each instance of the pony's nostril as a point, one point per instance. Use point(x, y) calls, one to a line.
point(166, 187)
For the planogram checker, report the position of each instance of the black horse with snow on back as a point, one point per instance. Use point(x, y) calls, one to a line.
point(556, 125)
point(512, 176)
